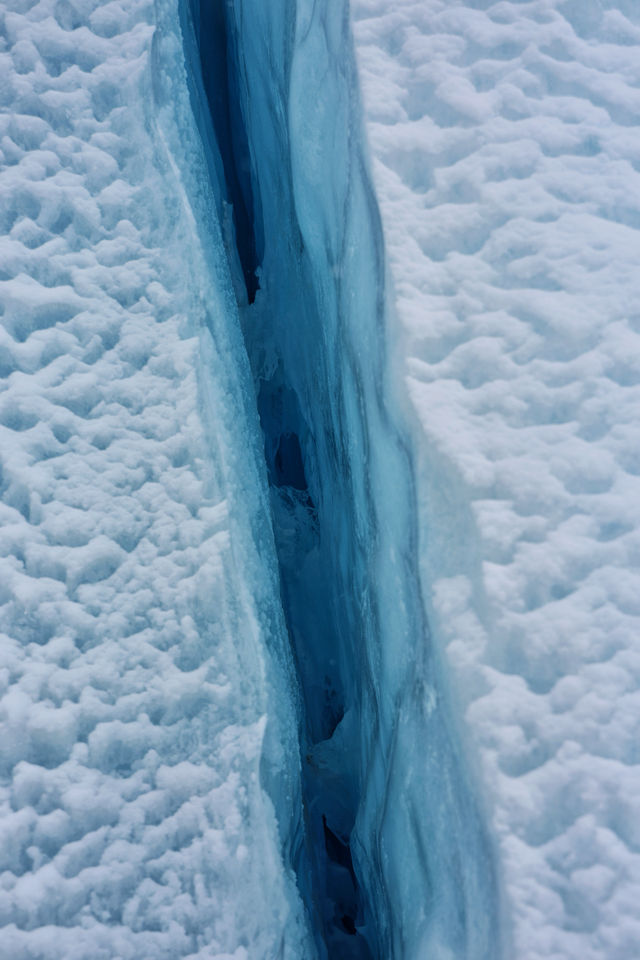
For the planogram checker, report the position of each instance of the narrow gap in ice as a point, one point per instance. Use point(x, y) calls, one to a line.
point(394, 859)
point(219, 76)
point(324, 866)
point(326, 871)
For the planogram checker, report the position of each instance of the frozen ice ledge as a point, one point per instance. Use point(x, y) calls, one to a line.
point(385, 838)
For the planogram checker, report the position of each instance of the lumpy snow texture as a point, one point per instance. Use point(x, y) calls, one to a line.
point(507, 164)
point(137, 598)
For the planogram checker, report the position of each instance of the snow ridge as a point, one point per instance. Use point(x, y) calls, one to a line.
point(507, 163)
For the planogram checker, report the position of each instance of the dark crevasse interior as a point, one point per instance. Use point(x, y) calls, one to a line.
point(392, 860)
point(325, 868)
point(208, 21)
point(324, 865)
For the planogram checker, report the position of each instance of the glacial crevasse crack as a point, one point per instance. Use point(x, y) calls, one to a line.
point(383, 863)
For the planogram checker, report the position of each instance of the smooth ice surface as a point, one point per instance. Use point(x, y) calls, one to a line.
point(142, 645)
point(507, 166)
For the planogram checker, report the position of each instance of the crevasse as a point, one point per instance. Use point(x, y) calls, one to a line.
point(386, 840)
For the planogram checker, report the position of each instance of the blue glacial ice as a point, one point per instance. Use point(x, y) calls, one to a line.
point(226, 730)
point(393, 860)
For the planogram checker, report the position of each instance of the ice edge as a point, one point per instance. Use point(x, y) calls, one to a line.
point(394, 860)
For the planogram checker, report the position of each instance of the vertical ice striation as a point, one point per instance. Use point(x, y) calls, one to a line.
point(395, 862)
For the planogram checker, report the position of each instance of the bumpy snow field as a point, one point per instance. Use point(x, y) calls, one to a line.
point(507, 164)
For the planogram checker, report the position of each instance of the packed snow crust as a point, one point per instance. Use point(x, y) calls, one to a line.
point(507, 165)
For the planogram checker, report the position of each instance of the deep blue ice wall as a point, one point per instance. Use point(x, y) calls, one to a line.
point(394, 862)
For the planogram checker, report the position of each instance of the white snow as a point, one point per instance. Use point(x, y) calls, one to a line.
point(506, 157)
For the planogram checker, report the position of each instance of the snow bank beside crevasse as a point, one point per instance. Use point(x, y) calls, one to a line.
point(506, 164)
point(139, 611)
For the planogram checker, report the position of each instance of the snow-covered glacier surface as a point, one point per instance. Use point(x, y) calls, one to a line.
point(224, 729)
point(507, 165)
point(291, 666)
